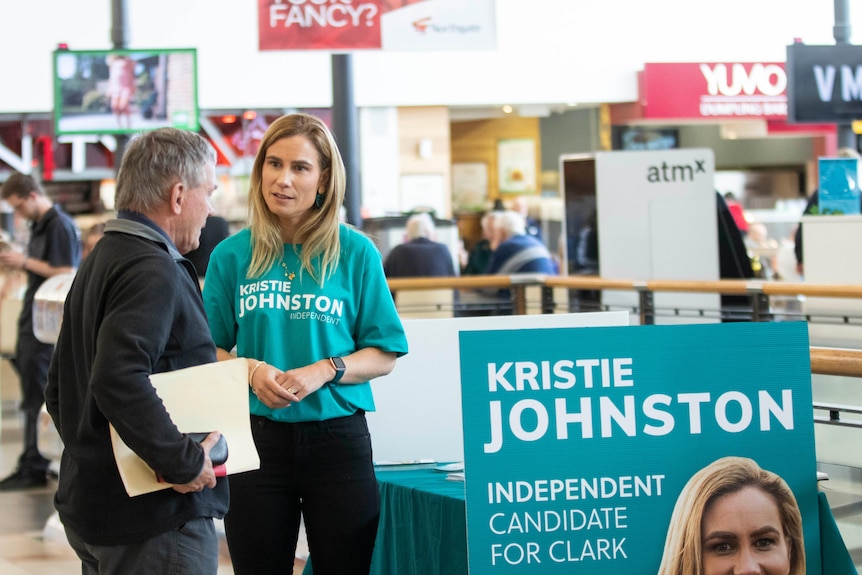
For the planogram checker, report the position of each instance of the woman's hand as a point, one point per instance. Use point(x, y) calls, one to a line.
point(303, 381)
point(264, 383)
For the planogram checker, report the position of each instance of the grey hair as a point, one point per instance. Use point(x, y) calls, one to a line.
point(420, 226)
point(156, 160)
point(512, 223)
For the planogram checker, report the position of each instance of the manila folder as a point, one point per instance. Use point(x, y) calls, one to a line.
point(209, 397)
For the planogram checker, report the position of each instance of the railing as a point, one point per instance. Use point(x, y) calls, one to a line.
point(824, 361)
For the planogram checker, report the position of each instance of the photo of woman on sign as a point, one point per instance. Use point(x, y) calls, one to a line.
point(734, 517)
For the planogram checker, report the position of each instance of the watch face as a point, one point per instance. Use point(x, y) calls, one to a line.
point(338, 363)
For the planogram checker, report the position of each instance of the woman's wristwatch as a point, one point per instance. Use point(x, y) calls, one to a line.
point(339, 367)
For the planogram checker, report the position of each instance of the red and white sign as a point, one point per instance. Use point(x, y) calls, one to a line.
point(715, 90)
point(369, 24)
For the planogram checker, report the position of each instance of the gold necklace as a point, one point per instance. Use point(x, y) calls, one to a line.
point(287, 273)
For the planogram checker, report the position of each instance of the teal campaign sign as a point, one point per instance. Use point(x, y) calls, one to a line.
point(577, 441)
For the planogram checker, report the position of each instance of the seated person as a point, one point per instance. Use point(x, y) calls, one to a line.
point(532, 227)
point(515, 252)
point(480, 255)
point(420, 255)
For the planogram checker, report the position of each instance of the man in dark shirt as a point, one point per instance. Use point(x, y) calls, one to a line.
point(135, 309)
point(420, 256)
point(54, 248)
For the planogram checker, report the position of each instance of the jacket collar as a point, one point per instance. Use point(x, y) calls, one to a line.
point(141, 229)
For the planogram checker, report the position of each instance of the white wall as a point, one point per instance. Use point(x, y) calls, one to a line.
point(549, 51)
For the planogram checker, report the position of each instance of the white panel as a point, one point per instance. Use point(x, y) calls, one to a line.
point(419, 404)
point(832, 256)
point(657, 220)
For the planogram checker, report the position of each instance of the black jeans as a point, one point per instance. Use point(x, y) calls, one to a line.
point(322, 470)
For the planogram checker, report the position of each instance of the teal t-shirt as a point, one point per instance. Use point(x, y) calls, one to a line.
point(290, 321)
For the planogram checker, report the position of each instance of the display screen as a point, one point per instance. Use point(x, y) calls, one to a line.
point(638, 138)
point(124, 91)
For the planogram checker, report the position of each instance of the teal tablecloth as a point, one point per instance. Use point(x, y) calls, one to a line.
point(423, 528)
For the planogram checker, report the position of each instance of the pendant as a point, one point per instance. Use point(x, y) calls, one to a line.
point(287, 273)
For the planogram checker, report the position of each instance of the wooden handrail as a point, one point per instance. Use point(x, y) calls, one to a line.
point(824, 361)
point(836, 361)
point(727, 287)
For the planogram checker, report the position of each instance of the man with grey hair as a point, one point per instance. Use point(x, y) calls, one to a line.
point(135, 309)
point(420, 255)
point(516, 252)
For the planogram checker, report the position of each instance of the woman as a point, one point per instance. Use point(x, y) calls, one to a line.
point(734, 517)
point(305, 297)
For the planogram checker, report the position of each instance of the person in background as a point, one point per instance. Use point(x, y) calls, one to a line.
point(813, 207)
point(516, 252)
point(521, 205)
point(734, 517)
point(304, 297)
point(587, 252)
point(135, 309)
point(762, 250)
point(54, 248)
point(215, 231)
point(737, 211)
point(479, 256)
point(121, 88)
point(420, 255)
point(93, 235)
point(733, 262)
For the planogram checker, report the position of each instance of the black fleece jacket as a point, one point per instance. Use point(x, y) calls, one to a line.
point(133, 309)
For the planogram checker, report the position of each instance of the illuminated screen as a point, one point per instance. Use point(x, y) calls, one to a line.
point(124, 91)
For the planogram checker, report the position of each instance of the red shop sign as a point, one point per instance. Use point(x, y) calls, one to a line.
point(714, 90)
point(319, 24)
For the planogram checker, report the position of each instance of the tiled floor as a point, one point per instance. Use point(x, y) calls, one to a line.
point(31, 538)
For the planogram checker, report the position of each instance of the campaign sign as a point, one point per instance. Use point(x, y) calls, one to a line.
point(839, 186)
point(577, 442)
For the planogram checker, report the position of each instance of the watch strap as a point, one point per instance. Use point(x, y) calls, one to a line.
point(339, 367)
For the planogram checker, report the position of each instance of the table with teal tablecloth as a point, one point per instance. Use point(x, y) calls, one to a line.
point(423, 527)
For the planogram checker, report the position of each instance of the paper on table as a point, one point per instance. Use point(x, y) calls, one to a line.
point(209, 397)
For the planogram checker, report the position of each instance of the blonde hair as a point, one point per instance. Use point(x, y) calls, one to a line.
point(683, 549)
point(319, 235)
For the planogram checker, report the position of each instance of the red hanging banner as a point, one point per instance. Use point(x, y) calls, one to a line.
point(341, 25)
point(318, 24)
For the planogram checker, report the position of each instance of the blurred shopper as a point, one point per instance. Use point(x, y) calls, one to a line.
point(91, 237)
point(733, 262)
point(54, 248)
point(516, 252)
point(214, 232)
point(304, 296)
point(121, 88)
point(587, 251)
point(521, 205)
point(135, 309)
point(479, 257)
point(737, 211)
point(420, 255)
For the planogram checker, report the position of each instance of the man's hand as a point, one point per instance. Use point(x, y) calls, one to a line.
point(207, 477)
